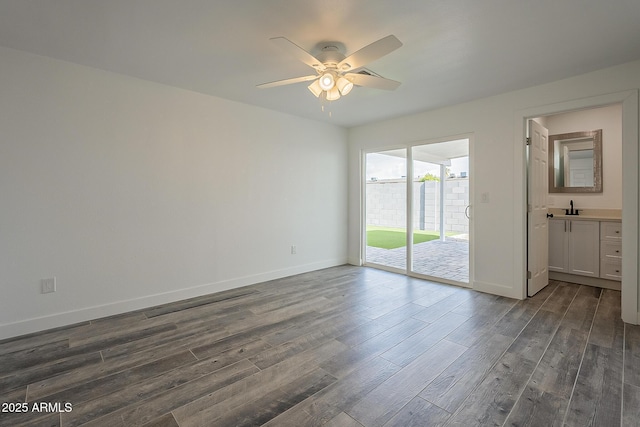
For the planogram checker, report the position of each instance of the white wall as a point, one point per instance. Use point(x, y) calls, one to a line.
point(133, 193)
point(498, 238)
point(609, 119)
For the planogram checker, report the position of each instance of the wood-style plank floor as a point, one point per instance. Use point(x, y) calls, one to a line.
point(345, 346)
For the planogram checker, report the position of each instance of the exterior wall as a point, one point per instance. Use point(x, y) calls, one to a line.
point(386, 204)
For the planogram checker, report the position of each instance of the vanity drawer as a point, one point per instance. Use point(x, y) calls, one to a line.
point(610, 230)
point(611, 269)
point(610, 249)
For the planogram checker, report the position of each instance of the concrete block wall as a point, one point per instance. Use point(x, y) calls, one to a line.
point(386, 204)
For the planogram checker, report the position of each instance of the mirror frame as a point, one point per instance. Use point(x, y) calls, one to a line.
point(597, 162)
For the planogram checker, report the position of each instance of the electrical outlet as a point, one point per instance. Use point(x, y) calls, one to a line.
point(48, 285)
point(294, 250)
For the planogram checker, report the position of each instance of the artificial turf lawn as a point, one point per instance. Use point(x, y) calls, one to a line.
point(391, 238)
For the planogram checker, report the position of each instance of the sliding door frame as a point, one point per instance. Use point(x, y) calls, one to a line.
point(409, 207)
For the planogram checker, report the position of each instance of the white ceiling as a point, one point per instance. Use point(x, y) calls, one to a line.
point(454, 50)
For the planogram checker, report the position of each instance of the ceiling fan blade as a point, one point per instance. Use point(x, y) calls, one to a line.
point(287, 81)
point(370, 53)
point(372, 81)
point(298, 52)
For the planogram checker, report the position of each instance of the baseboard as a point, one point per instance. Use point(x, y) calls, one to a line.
point(586, 280)
point(38, 324)
point(355, 261)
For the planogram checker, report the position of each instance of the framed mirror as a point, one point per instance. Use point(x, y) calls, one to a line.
point(575, 162)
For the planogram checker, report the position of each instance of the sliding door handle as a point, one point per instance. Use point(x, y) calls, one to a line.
point(466, 211)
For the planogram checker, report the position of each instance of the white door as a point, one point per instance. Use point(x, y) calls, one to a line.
point(538, 187)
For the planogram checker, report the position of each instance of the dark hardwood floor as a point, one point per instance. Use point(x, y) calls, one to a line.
point(346, 346)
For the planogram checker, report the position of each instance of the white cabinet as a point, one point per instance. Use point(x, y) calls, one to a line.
point(584, 248)
point(611, 250)
point(574, 247)
point(558, 246)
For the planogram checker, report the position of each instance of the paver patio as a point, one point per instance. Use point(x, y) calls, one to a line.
point(447, 260)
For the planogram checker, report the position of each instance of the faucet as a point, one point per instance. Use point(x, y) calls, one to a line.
point(572, 212)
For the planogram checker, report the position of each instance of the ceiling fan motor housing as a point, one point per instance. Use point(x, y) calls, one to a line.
point(330, 56)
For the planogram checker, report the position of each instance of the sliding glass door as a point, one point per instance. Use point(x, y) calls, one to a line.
point(386, 209)
point(440, 210)
point(419, 226)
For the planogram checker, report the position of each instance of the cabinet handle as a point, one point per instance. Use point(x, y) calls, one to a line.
point(565, 226)
point(617, 231)
point(569, 226)
point(617, 271)
point(617, 251)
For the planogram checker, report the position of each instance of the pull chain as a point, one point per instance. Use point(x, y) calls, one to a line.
point(323, 100)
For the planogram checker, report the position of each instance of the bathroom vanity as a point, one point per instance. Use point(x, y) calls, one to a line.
point(586, 248)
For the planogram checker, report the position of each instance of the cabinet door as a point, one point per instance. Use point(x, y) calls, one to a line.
point(584, 248)
point(558, 235)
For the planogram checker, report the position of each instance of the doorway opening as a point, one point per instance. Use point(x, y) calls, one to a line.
point(553, 187)
point(630, 188)
point(419, 226)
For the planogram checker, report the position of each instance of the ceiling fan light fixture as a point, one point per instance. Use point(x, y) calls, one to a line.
point(326, 81)
point(332, 79)
point(344, 86)
point(315, 88)
point(333, 94)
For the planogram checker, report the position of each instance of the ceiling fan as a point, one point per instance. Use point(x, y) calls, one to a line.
point(333, 77)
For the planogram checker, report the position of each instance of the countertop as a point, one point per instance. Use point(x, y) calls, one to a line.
point(589, 214)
